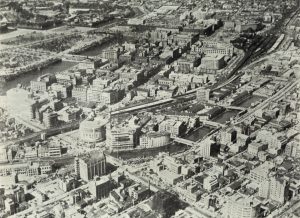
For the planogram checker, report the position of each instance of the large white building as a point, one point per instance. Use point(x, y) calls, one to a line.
point(154, 139)
point(261, 173)
point(20, 102)
point(92, 130)
point(121, 137)
point(238, 206)
point(90, 166)
point(274, 189)
point(213, 62)
point(204, 147)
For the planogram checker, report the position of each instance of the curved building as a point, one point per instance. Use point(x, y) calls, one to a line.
point(92, 130)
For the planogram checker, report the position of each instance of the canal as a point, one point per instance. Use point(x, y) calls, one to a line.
point(224, 117)
point(96, 50)
point(198, 133)
point(25, 78)
point(254, 98)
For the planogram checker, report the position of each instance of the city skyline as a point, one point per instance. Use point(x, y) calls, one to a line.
point(164, 109)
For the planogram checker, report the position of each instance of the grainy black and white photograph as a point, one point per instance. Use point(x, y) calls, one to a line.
point(149, 109)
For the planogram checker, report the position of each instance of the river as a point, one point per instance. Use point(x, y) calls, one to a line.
point(25, 78)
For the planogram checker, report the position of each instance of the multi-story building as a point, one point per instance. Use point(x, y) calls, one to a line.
point(213, 62)
point(173, 165)
point(154, 139)
point(138, 192)
point(38, 86)
point(101, 188)
point(130, 73)
point(63, 90)
point(122, 138)
point(212, 48)
point(275, 141)
point(210, 183)
point(111, 54)
point(50, 118)
point(255, 147)
point(93, 94)
point(54, 151)
point(166, 81)
point(28, 169)
point(80, 93)
point(228, 136)
point(238, 206)
point(110, 96)
point(188, 63)
point(275, 189)
point(69, 114)
point(292, 148)
point(204, 147)
point(203, 94)
point(91, 166)
point(261, 173)
point(175, 128)
point(42, 83)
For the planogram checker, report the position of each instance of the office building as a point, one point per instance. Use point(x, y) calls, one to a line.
point(175, 128)
point(100, 188)
point(203, 94)
point(42, 83)
point(50, 118)
point(204, 147)
point(63, 90)
point(91, 166)
point(54, 151)
point(154, 139)
point(275, 189)
point(228, 136)
point(80, 93)
point(261, 173)
point(210, 183)
point(213, 62)
point(122, 138)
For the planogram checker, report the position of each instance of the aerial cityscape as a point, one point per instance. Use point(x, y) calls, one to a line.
point(150, 109)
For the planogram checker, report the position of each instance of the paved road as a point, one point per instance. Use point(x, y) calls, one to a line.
point(279, 95)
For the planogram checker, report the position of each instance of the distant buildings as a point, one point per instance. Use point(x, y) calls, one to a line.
point(28, 169)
